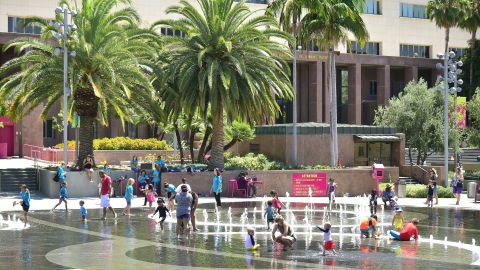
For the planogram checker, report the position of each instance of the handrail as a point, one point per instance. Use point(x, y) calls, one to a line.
point(418, 166)
point(46, 154)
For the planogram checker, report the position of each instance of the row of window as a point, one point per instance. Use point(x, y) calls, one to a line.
point(406, 9)
point(369, 48)
point(18, 25)
point(170, 32)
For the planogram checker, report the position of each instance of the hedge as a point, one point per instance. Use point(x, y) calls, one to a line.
point(420, 191)
point(123, 143)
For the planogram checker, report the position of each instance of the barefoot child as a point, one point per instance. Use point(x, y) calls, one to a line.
point(430, 192)
point(250, 243)
point(277, 204)
point(25, 202)
point(63, 196)
point(128, 196)
point(397, 221)
point(328, 243)
point(171, 192)
point(269, 212)
point(83, 211)
point(162, 212)
point(150, 193)
point(332, 186)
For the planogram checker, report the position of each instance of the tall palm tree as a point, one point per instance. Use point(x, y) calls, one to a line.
point(107, 73)
point(446, 14)
point(228, 62)
point(471, 22)
point(329, 23)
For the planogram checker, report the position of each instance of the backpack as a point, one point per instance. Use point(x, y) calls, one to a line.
point(56, 178)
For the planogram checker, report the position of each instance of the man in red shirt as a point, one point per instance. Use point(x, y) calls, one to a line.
point(105, 192)
point(408, 231)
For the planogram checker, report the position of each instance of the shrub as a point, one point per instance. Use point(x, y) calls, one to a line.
point(123, 143)
point(251, 162)
point(420, 191)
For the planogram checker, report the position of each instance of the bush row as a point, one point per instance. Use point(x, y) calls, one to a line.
point(251, 162)
point(123, 143)
point(420, 191)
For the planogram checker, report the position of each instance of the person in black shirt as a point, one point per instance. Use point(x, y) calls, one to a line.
point(162, 211)
point(431, 188)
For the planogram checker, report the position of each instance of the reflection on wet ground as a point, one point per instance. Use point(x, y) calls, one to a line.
point(61, 241)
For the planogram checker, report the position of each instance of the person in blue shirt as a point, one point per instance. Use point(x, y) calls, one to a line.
point(83, 211)
point(61, 173)
point(106, 169)
point(217, 186)
point(25, 202)
point(128, 196)
point(171, 192)
point(157, 180)
point(144, 180)
point(270, 214)
point(63, 196)
point(160, 162)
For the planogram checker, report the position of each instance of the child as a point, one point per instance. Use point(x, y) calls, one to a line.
point(250, 239)
point(431, 189)
point(270, 214)
point(397, 221)
point(332, 186)
point(63, 197)
point(277, 204)
point(373, 202)
point(162, 212)
point(328, 243)
point(25, 202)
point(150, 194)
point(171, 192)
point(368, 226)
point(128, 196)
point(143, 179)
point(83, 211)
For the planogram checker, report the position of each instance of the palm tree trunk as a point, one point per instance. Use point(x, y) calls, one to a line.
point(216, 159)
point(472, 53)
point(179, 143)
point(447, 38)
point(230, 144)
point(191, 140)
point(85, 139)
point(206, 137)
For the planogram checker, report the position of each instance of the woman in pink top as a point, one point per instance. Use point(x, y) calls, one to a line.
point(277, 204)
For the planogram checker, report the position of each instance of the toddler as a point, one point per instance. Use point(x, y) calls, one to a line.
point(25, 202)
point(269, 213)
point(250, 242)
point(162, 212)
point(373, 202)
point(63, 196)
point(328, 243)
point(83, 211)
point(277, 204)
point(431, 189)
point(150, 194)
point(397, 221)
point(332, 186)
point(128, 196)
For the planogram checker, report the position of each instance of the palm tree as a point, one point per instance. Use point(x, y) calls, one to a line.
point(228, 62)
point(107, 73)
point(471, 23)
point(446, 14)
point(328, 23)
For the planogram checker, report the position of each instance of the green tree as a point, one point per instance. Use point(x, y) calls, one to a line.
point(473, 132)
point(230, 61)
point(471, 22)
point(329, 23)
point(418, 113)
point(447, 14)
point(110, 51)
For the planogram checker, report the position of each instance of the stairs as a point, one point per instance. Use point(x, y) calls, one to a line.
point(11, 179)
point(408, 180)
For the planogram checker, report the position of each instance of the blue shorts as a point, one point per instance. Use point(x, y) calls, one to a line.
point(395, 235)
point(183, 216)
point(129, 201)
point(365, 231)
point(62, 198)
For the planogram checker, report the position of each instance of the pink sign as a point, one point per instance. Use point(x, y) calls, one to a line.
point(301, 182)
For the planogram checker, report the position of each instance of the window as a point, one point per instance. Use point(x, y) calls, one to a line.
point(373, 88)
point(170, 32)
point(48, 129)
point(20, 25)
point(459, 52)
point(372, 7)
point(413, 11)
point(414, 51)
point(369, 48)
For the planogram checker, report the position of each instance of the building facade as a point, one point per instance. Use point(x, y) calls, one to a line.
point(403, 47)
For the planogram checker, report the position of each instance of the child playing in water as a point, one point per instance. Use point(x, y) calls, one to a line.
point(397, 221)
point(431, 189)
point(332, 186)
point(250, 242)
point(128, 196)
point(150, 193)
point(162, 212)
point(171, 192)
point(373, 202)
point(63, 196)
point(368, 226)
point(277, 204)
point(25, 202)
point(328, 243)
point(269, 213)
point(83, 211)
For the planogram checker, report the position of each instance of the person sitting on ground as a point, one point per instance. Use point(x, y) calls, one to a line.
point(410, 230)
point(184, 182)
point(368, 226)
point(250, 241)
point(88, 166)
point(388, 195)
point(286, 237)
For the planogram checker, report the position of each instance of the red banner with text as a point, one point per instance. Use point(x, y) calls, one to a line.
point(317, 182)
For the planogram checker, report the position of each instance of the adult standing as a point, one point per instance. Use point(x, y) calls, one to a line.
point(106, 191)
point(61, 174)
point(286, 237)
point(184, 202)
point(193, 209)
point(134, 165)
point(88, 166)
point(457, 184)
point(184, 182)
point(217, 186)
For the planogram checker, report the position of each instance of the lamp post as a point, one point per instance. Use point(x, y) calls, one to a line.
point(62, 35)
point(449, 68)
point(454, 72)
point(294, 115)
